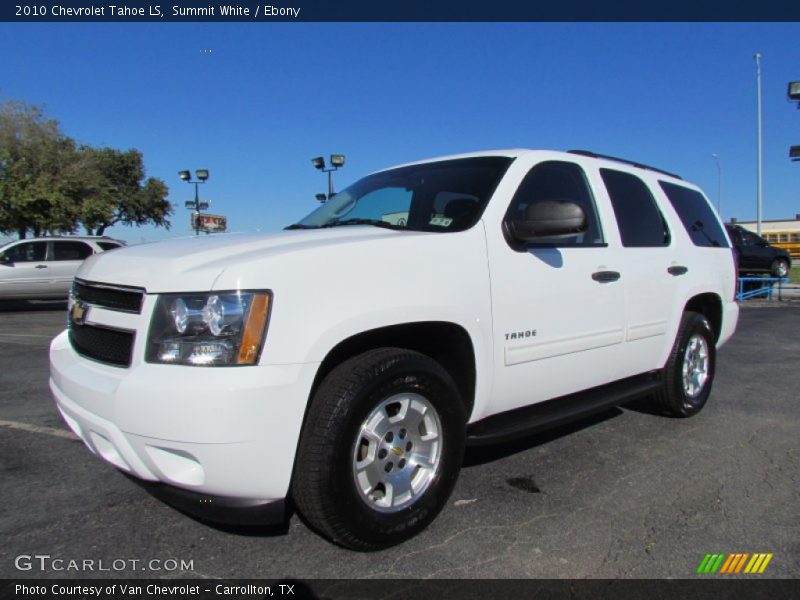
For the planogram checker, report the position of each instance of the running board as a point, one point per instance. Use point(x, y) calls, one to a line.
point(552, 413)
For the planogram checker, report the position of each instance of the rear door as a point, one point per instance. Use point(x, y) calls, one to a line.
point(66, 257)
point(26, 275)
point(651, 273)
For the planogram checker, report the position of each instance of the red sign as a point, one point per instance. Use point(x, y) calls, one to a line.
point(210, 223)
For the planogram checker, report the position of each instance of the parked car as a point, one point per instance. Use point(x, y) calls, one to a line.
point(755, 255)
point(44, 267)
point(347, 361)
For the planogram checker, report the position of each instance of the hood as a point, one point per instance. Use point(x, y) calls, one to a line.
point(195, 263)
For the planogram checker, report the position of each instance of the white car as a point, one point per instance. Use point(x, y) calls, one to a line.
point(44, 267)
point(347, 361)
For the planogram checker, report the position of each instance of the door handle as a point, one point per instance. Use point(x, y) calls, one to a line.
point(677, 270)
point(605, 276)
point(41, 266)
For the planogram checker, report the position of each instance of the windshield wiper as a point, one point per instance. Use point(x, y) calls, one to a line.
point(375, 222)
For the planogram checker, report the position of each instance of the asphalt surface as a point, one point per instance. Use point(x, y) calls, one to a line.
point(627, 494)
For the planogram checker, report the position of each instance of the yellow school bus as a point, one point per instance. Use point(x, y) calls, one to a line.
point(790, 240)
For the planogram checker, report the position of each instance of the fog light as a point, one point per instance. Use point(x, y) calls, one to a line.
point(206, 353)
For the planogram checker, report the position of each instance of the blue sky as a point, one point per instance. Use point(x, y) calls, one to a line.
point(268, 97)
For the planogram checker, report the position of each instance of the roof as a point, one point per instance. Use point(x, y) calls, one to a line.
point(520, 152)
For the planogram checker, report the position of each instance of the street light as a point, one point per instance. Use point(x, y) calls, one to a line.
point(794, 91)
point(337, 161)
point(202, 176)
point(759, 203)
point(715, 156)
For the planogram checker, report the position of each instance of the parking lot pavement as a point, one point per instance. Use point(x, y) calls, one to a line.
point(625, 494)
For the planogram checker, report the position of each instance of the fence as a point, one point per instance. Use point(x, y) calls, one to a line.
point(755, 287)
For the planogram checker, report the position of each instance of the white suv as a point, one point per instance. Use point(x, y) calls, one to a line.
point(43, 267)
point(347, 361)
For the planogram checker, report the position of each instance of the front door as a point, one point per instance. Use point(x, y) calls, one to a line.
point(756, 254)
point(558, 305)
point(24, 272)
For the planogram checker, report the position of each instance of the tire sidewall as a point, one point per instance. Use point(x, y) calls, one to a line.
point(776, 267)
point(697, 324)
point(408, 374)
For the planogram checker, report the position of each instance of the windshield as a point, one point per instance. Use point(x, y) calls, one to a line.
point(440, 196)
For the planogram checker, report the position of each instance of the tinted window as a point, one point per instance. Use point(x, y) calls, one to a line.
point(439, 196)
point(71, 250)
point(696, 215)
point(27, 252)
point(108, 245)
point(640, 222)
point(557, 180)
point(751, 239)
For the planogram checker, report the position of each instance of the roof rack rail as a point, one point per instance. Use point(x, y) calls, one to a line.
point(623, 160)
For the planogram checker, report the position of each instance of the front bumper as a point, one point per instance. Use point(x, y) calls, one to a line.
point(226, 434)
point(218, 509)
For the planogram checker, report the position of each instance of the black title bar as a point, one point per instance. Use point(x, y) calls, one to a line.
point(133, 11)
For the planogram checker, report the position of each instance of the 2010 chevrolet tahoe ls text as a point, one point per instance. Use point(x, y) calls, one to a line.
point(346, 361)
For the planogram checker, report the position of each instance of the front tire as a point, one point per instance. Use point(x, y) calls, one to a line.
point(689, 371)
point(780, 268)
point(381, 449)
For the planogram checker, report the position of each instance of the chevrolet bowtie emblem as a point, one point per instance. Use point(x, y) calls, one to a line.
point(78, 313)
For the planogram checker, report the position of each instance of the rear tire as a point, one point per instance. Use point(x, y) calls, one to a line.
point(380, 450)
point(689, 371)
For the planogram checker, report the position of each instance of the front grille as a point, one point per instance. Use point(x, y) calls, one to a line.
point(111, 297)
point(103, 344)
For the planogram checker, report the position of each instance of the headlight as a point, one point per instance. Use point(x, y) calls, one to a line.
point(217, 328)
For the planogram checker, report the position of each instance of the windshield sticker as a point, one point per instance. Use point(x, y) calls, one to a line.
point(441, 221)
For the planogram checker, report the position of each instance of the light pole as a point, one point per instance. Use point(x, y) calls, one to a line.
point(202, 176)
point(715, 156)
point(337, 161)
point(760, 152)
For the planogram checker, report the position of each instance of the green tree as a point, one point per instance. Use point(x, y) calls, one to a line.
point(49, 185)
point(112, 190)
point(34, 154)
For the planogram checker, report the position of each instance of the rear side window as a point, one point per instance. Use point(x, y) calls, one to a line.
point(696, 215)
point(640, 222)
point(71, 250)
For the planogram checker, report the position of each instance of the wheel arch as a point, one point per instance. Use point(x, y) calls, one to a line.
point(709, 305)
point(445, 342)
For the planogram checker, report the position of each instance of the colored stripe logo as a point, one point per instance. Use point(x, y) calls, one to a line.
point(734, 563)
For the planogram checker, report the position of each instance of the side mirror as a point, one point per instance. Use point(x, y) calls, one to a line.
point(550, 218)
point(6, 260)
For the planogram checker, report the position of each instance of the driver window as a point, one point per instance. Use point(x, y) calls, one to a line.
point(751, 239)
point(27, 252)
point(558, 180)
